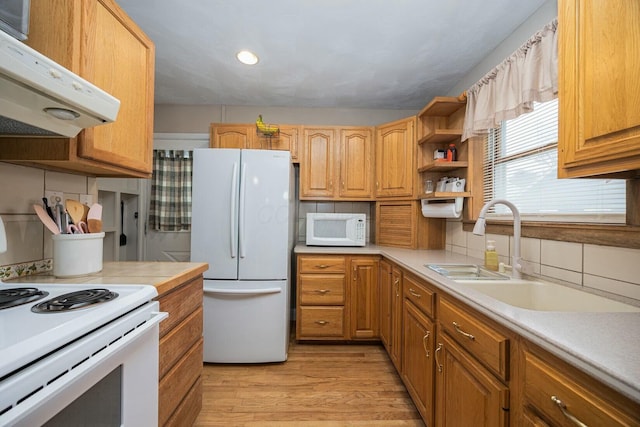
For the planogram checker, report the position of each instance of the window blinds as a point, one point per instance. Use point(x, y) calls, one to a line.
point(520, 165)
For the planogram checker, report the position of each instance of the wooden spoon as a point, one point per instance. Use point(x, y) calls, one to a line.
point(94, 218)
point(46, 219)
point(75, 209)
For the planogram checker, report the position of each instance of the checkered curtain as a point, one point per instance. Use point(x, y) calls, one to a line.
point(170, 208)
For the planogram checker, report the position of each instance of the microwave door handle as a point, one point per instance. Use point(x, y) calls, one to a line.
point(241, 220)
point(233, 211)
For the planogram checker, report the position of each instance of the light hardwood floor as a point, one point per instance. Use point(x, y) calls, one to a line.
point(319, 385)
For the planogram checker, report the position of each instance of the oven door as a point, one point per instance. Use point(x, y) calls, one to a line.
point(107, 378)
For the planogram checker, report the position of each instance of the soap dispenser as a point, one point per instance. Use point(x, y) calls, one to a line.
point(491, 256)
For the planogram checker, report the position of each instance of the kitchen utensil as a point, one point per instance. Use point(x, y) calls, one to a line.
point(75, 209)
point(48, 208)
point(94, 218)
point(123, 237)
point(78, 228)
point(85, 212)
point(46, 219)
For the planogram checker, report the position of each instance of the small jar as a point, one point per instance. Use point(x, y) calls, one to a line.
point(428, 186)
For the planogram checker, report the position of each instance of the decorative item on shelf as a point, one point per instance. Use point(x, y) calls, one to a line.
point(267, 130)
point(439, 154)
point(452, 153)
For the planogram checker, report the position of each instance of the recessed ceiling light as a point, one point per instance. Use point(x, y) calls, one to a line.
point(247, 57)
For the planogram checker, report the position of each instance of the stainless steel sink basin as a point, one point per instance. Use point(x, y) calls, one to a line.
point(546, 296)
point(466, 272)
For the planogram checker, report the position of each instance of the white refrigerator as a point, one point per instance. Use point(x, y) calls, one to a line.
point(242, 225)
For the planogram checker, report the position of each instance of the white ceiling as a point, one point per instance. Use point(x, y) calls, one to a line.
point(388, 54)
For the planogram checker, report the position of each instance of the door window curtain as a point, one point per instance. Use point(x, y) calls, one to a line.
point(170, 207)
point(528, 75)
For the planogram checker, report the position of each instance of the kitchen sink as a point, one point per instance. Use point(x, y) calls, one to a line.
point(546, 296)
point(466, 272)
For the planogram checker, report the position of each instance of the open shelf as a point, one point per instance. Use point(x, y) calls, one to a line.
point(441, 136)
point(445, 195)
point(443, 106)
point(436, 166)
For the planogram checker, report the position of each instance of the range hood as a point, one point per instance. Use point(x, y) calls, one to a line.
point(40, 97)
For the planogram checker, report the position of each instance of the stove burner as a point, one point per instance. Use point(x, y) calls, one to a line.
point(18, 296)
point(74, 300)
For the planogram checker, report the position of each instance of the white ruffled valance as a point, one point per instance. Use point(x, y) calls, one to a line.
point(528, 75)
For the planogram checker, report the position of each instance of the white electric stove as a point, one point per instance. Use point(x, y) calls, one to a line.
point(67, 347)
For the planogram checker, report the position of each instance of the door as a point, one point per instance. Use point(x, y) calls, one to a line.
point(467, 394)
point(364, 297)
point(265, 202)
point(232, 136)
point(316, 168)
point(245, 322)
point(215, 205)
point(394, 159)
point(356, 171)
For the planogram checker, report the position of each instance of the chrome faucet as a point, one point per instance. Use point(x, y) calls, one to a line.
point(479, 228)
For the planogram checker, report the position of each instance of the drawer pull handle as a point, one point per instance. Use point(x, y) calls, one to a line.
point(322, 291)
point(425, 339)
point(436, 355)
point(461, 332)
point(414, 293)
point(560, 404)
point(322, 266)
point(322, 322)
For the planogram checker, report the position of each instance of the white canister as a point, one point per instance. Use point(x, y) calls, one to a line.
point(77, 254)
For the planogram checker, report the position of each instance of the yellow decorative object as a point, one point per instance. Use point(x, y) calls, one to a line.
point(267, 130)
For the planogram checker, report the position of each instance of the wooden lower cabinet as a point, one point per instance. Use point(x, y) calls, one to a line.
point(337, 297)
point(467, 394)
point(557, 394)
point(396, 318)
point(180, 360)
point(417, 359)
point(385, 294)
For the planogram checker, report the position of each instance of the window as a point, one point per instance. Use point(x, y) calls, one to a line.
point(520, 165)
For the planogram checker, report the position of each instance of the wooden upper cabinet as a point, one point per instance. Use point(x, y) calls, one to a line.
point(316, 168)
point(356, 156)
point(599, 90)
point(233, 136)
point(335, 163)
point(395, 169)
point(98, 41)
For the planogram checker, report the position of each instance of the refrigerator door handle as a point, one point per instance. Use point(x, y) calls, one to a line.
point(214, 291)
point(241, 216)
point(233, 206)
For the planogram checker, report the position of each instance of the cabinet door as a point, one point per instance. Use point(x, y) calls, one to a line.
point(364, 297)
point(317, 166)
point(396, 318)
point(99, 42)
point(599, 118)
point(286, 139)
point(417, 359)
point(395, 159)
point(466, 393)
point(356, 173)
point(386, 292)
point(233, 136)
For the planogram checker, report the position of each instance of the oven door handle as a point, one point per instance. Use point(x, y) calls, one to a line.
point(37, 408)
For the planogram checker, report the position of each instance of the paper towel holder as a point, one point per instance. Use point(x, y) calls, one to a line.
point(451, 209)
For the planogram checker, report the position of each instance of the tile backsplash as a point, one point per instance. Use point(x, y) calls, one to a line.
point(605, 270)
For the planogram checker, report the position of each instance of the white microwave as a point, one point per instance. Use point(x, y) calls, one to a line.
point(336, 229)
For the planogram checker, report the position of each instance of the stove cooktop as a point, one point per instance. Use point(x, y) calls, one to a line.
point(26, 335)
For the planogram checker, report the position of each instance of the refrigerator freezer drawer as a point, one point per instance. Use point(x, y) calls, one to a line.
point(246, 321)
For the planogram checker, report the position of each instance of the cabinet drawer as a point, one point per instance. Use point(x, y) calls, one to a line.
point(175, 343)
point(321, 322)
point(419, 294)
point(189, 409)
point(321, 264)
point(547, 388)
point(179, 303)
point(321, 289)
point(486, 344)
point(178, 381)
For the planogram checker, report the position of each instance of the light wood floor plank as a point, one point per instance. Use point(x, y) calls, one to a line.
point(320, 385)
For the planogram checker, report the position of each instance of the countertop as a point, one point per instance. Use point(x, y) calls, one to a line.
point(606, 345)
point(163, 275)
